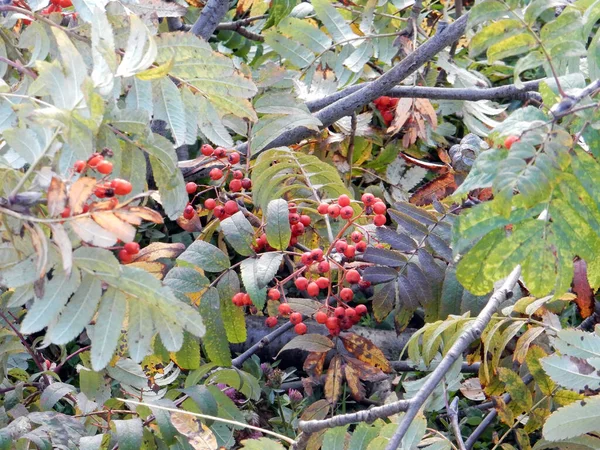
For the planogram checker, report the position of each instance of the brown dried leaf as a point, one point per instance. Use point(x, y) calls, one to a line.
point(471, 389)
point(365, 371)
point(316, 411)
point(504, 412)
point(92, 233)
point(357, 390)
point(158, 250)
point(313, 364)
point(420, 126)
point(128, 216)
point(79, 193)
point(40, 244)
point(192, 225)
point(426, 109)
point(334, 380)
point(65, 247)
point(403, 112)
point(145, 213)
point(410, 136)
point(199, 435)
point(581, 287)
point(522, 346)
point(437, 189)
point(436, 167)
point(365, 351)
point(57, 196)
point(443, 155)
point(107, 220)
point(159, 270)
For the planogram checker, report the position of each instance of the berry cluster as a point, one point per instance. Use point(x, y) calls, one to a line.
point(106, 188)
point(386, 106)
point(56, 6)
point(371, 206)
point(128, 251)
point(237, 183)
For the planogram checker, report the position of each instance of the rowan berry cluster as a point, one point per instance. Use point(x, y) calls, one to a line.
point(105, 188)
point(237, 182)
point(371, 206)
point(386, 106)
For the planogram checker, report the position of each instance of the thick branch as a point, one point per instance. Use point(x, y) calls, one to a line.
point(438, 93)
point(209, 18)
point(455, 352)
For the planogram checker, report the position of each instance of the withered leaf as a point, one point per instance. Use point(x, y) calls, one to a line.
point(57, 196)
point(365, 351)
point(365, 371)
point(316, 411)
point(158, 269)
point(313, 364)
point(437, 189)
point(403, 112)
point(334, 380)
point(357, 390)
point(425, 107)
point(122, 230)
point(199, 435)
point(158, 250)
point(581, 286)
point(63, 242)
point(79, 193)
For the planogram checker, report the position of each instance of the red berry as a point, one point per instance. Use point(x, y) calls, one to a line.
point(331, 323)
point(210, 204)
point(394, 102)
point(220, 152)
point(104, 167)
point(284, 309)
point(509, 141)
point(238, 174)
point(333, 210)
point(368, 199)
point(301, 283)
point(95, 160)
point(323, 283)
point(298, 229)
point(350, 312)
point(346, 323)
point(364, 284)
point(234, 158)
point(335, 331)
point(350, 252)
point(274, 294)
point(231, 207)
point(295, 318)
point(121, 187)
point(341, 246)
point(188, 212)
point(292, 207)
point(356, 236)
point(65, 3)
point(191, 187)
point(346, 294)
point(388, 116)
point(352, 276)
point(293, 241)
point(246, 183)
point(65, 212)
point(247, 299)
point(300, 328)
point(361, 310)
point(79, 166)
point(321, 317)
point(293, 218)
point(219, 212)
point(215, 174)
point(343, 200)
point(207, 150)
point(384, 101)
point(305, 220)
point(323, 208)
point(133, 248)
point(313, 289)
point(85, 209)
point(379, 208)
point(306, 258)
point(324, 267)
point(346, 212)
point(235, 185)
point(339, 312)
point(125, 257)
point(238, 299)
point(317, 254)
point(379, 220)
point(361, 246)
point(100, 191)
point(271, 322)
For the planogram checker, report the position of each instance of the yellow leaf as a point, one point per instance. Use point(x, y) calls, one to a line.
point(366, 351)
point(199, 436)
point(157, 72)
point(79, 193)
point(122, 230)
point(333, 380)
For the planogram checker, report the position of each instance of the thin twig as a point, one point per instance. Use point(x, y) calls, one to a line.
point(239, 361)
point(452, 410)
point(350, 155)
point(24, 70)
point(81, 350)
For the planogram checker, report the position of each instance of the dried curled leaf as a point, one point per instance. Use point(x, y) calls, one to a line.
point(365, 351)
point(334, 380)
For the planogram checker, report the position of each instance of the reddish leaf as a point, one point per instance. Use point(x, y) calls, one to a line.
point(365, 351)
point(583, 290)
point(438, 189)
point(57, 196)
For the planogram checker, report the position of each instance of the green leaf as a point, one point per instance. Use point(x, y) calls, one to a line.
point(171, 187)
point(492, 34)
point(310, 343)
point(362, 435)
point(168, 106)
point(141, 330)
point(261, 444)
point(215, 342)
point(270, 127)
point(572, 420)
point(105, 333)
point(239, 233)
point(53, 393)
point(239, 380)
point(188, 356)
point(234, 320)
point(487, 10)
point(522, 400)
point(512, 46)
point(335, 438)
point(277, 224)
point(24, 142)
point(78, 312)
point(333, 21)
point(129, 432)
point(140, 51)
point(537, 7)
point(571, 373)
point(359, 57)
point(293, 51)
point(577, 343)
point(139, 95)
point(203, 398)
point(305, 32)
point(384, 300)
point(45, 309)
point(266, 268)
point(250, 276)
point(226, 407)
point(185, 280)
point(210, 123)
point(206, 256)
point(128, 372)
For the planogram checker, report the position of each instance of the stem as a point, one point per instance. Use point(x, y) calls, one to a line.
point(81, 350)
point(350, 155)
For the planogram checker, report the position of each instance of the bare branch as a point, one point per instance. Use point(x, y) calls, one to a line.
point(239, 361)
point(209, 19)
point(453, 416)
point(455, 352)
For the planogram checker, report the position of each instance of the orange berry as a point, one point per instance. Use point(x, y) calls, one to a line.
point(207, 150)
point(323, 283)
point(215, 174)
point(104, 167)
point(313, 289)
point(323, 208)
point(361, 310)
point(346, 294)
point(271, 322)
point(133, 248)
point(235, 185)
point(301, 283)
point(301, 328)
point(321, 317)
point(509, 141)
point(79, 166)
point(95, 160)
point(346, 212)
point(191, 187)
point(379, 208)
point(210, 204)
point(231, 207)
point(274, 294)
point(295, 318)
point(65, 212)
point(379, 220)
point(125, 257)
point(343, 200)
point(284, 309)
